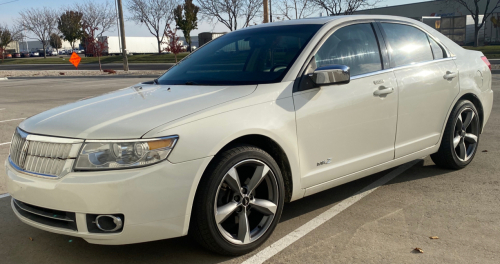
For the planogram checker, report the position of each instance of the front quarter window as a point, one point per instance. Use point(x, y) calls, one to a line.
point(250, 56)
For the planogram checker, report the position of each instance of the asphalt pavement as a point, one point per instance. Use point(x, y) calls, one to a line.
point(459, 207)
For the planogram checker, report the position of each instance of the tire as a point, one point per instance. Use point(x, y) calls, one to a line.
point(225, 233)
point(459, 130)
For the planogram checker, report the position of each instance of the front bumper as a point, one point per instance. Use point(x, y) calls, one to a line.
point(156, 200)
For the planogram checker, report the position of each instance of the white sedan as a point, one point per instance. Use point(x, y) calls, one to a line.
point(258, 117)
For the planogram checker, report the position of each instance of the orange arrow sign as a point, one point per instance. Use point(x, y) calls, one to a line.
point(75, 59)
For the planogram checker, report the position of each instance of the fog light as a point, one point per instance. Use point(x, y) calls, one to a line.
point(108, 223)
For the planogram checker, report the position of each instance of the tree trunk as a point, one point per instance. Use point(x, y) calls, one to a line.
point(476, 36)
point(159, 45)
point(44, 51)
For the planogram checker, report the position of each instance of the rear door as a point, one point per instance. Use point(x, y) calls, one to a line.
point(346, 128)
point(427, 81)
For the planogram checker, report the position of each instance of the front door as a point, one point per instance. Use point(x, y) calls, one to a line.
point(350, 127)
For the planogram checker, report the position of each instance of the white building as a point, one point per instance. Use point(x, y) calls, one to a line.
point(449, 12)
point(34, 45)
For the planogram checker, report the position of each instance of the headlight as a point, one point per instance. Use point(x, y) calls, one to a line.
point(115, 154)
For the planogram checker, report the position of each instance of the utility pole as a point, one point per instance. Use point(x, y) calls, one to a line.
point(271, 11)
point(266, 12)
point(122, 30)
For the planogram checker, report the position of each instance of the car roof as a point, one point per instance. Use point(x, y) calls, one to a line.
point(328, 19)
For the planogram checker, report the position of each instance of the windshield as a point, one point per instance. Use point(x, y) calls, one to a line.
point(251, 56)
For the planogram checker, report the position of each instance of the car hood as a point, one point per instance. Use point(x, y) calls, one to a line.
point(131, 112)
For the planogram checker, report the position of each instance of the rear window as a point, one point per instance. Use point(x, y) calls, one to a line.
point(250, 56)
point(409, 45)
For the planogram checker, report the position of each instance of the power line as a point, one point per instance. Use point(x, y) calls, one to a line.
point(9, 2)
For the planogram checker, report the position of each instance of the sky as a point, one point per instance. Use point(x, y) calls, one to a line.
point(9, 13)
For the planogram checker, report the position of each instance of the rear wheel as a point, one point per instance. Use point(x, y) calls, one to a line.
point(460, 138)
point(239, 201)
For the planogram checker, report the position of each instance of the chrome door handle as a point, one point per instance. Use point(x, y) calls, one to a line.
point(383, 91)
point(450, 75)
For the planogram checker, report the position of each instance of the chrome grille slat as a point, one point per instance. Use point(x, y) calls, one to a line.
point(41, 155)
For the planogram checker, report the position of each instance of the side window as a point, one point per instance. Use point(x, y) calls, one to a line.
point(437, 50)
point(355, 46)
point(408, 44)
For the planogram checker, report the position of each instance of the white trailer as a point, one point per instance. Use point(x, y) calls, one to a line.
point(135, 45)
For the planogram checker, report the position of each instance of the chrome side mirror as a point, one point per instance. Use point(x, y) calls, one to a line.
point(331, 74)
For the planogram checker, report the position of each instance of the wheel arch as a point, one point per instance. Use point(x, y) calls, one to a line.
point(273, 148)
point(258, 140)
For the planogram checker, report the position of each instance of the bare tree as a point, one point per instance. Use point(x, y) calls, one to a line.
point(8, 35)
point(100, 15)
point(344, 7)
point(41, 22)
point(294, 9)
point(473, 7)
point(229, 12)
point(155, 14)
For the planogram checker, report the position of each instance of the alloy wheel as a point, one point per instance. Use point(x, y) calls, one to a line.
point(466, 133)
point(246, 202)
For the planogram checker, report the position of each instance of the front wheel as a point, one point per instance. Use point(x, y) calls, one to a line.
point(239, 201)
point(460, 138)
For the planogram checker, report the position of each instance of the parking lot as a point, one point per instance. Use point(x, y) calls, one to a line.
point(384, 226)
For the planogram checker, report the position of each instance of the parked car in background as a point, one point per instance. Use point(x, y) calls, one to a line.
point(34, 54)
point(25, 54)
point(8, 55)
point(62, 52)
point(17, 55)
point(212, 148)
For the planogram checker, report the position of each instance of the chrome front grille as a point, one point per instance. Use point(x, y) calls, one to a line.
point(17, 153)
point(43, 156)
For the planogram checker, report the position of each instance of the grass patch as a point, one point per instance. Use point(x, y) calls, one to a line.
point(491, 52)
point(149, 58)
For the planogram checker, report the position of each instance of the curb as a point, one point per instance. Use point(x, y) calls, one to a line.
point(79, 77)
point(3, 78)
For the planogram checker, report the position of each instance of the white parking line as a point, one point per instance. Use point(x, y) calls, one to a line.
point(298, 233)
point(4, 195)
point(4, 143)
point(12, 120)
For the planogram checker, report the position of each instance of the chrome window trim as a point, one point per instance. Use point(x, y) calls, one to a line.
point(422, 63)
point(371, 74)
point(391, 70)
point(401, 67)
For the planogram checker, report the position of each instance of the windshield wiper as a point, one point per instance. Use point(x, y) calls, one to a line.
point(156, 81)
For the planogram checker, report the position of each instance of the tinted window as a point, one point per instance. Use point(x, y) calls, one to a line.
point(408, 44)
point(250, 56)
point(437, 50)
point(355, 46)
